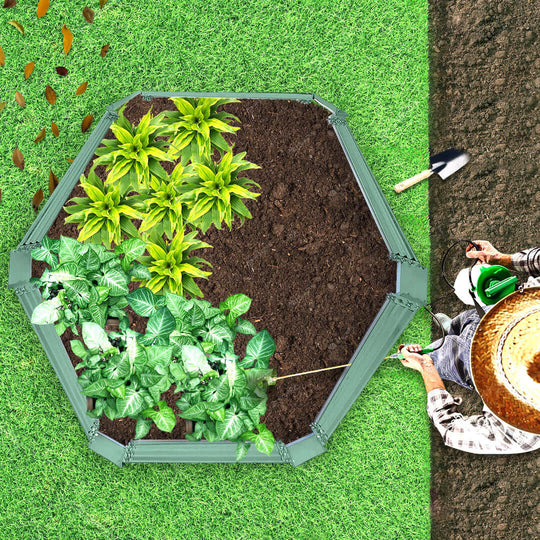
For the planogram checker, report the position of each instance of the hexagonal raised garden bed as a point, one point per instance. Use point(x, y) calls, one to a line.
point(330, 272)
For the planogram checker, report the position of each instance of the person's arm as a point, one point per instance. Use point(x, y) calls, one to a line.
point(472, 434)
point(527, 261)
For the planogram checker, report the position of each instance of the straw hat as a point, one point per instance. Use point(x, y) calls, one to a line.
point(505, 359)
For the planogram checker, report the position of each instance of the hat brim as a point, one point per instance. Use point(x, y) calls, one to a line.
point(497, 397)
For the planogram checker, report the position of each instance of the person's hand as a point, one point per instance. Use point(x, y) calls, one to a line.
point(412, 359)
point(487, 254)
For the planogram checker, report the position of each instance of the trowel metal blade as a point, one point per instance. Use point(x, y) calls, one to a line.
point(448, 162)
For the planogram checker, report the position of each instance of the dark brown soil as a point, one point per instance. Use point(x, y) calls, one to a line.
point(312, 258)
point(485, 90)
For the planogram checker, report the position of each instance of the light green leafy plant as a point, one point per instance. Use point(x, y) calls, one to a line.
point(164, 211)
point(85, 282)
point(196, 128)
point(223, 395)
point(134, 153)
point(171, 264)
point(215, 193)
point(127, 372)
point(105, 215)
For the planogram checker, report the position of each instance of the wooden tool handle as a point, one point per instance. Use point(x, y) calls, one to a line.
point(411, 181)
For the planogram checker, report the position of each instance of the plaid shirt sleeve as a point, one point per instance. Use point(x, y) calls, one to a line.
point(473, 434)
point(527, 261)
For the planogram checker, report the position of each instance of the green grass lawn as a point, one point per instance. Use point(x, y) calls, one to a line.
point(367, 57)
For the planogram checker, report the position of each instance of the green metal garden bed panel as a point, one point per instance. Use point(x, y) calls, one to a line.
point(30, 297)
point(148, 451)
point(396, 313)
point(387, 223)
point(392, 319)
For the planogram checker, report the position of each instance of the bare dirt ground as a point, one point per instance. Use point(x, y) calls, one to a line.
point(484, 98)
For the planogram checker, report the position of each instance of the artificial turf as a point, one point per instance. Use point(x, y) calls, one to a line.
point(370, 59)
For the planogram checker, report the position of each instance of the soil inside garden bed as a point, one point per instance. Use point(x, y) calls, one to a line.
point(485, 90)
point(311, 259)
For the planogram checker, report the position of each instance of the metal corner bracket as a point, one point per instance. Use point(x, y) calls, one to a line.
point(339, 118)
point(93, 431)
point(319, 432)
point(283, 452)
point(128, 453)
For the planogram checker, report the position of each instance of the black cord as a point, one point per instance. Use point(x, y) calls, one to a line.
point(440, 325)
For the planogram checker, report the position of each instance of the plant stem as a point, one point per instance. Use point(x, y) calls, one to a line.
point(306, 372)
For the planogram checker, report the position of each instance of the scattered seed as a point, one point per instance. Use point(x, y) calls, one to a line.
point(50, 94)
point(41, 136)
point(18, 159)
point(87, 122)
point(102, 3)
point(28, 69)
point(53, 181)
point(2, 105)
point(37, 199)
point(68, 38)
point(20, 99)
point(81, 89)
point(88, 14)
point(9, 3)
point(62, 71)
point(43, 6)
point(54, 129)
point(69, 160)
point(104, 50)
point(18, 26)
point(2, 57)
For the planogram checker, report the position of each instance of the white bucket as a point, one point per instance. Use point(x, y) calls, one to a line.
point(462, 284)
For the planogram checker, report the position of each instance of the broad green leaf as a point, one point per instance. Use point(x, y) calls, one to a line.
point(97, 389)
point(231, 427)
point(116, 280)
point(245, 327)
point(264, 440)
point(143, 301)
point(77, 291)
point(139, 271)
point(161, 323)
point(236, 379)
point(176, 371)
point(217, 334)
point(142, 428)
point(259, 350)
point(195, 412)
point(236, 305)
point(78, 348)
point(194, 360)
point(132, 405)
point(176, 305)
point(218, 390)
point(46, 312)
point(95, 336)
point(99, 313)
point(132, 248)
point(158, 355)
point(118, 367)
point(241, 450)
point(164, 418)
point(69, 250)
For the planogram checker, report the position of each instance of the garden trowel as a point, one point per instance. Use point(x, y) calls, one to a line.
point(444, 164)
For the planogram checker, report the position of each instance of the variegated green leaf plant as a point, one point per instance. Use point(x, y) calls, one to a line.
point(105, 215)
point(196, 128)
point(163, 209)
point(171, 264)
point(85, 282)
point(134, 153)
point(215, 192)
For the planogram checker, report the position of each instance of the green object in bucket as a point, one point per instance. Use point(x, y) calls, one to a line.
point(494, 283)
